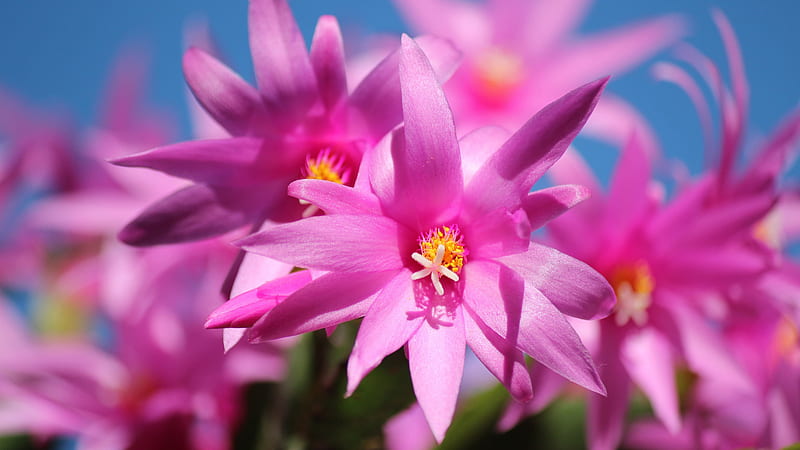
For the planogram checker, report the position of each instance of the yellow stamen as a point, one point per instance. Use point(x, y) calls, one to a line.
point(633, 285)
point(498, 72)
point(442, 253)
point(328, 167)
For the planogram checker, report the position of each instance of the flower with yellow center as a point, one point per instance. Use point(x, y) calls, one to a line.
point(442, 253)
point(498, 72)
point(633, 286)
point(326, 166)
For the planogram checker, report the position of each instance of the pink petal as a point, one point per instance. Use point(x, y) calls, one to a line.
point(511, 171)
point(215, 161)
point(572, 286)
point(497, 295)
point(436, 362)
point(611, 52)
point(461, 21)
point(244, 310)
point(606, 415)
point(477, 146)
point(534, 27)
point(498, 233)
point(338, 242)
point(628, 193)
point(430, 167)
point(329, 300)
point(283, 69)
point(193, 213)
point(376, 105)
point(327, 59)
point(544, 205)
point(708, 266)
point(334, 198)
point(500, 357)
point(408, 430)
point(649, 360)
point(232, 102)
point(386, 327)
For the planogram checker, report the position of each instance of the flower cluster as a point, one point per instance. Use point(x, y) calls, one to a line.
point(336, 222)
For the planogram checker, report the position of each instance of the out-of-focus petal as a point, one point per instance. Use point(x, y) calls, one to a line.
point(196, 212)
point(477, 146)
point(498, 233)
point(408, 430)
point(327, 59)
point(230, 100)
point(649, 359)
point(606, 415)
point(282, 66)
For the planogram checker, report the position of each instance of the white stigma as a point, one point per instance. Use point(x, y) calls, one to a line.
point(433, 268)
point(631, 305)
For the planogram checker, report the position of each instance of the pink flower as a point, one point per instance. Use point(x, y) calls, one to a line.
point(520, 55)
point(300, 122)
point(432, 247)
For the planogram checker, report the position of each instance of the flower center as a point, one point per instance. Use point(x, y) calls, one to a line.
point(441, 253)
point(633, 286)
point(327, 166)
point(498, 72)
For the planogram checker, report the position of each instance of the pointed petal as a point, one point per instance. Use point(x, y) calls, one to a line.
point(606, 415)
point(463, 22)
point(510, 172)
point(231, 337)
point(327, 59)
point(334, 198)
point(339, 242)
point(215, 161)
point(232, 102)
point(649, 359)
point(430, 167)
point(535, 27)
point(628, 193)
point(477, 146)
point(572, 286)
point(721, 266)
point(612, 52)
point(283, 69)
point(497, 295)
point(498, 233)
point(376, 105)
point(500, 357)
point(329, 300)
point(386, 327)
point(244, 310)
point(436, 362)
point(544, 205)
point(193, 213)
point(408, 431)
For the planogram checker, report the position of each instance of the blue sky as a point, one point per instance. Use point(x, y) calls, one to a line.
point(58, 54)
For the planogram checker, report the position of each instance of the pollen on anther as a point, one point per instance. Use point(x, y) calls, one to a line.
point(442, 254)
point(327, 166)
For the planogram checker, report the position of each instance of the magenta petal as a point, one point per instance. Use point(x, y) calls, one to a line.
point(544, 205)
point(334, 198)
point(498, 233)
point(339, 242)
point(649, 359)
point(408, 430)
point(498, 296)
point(606, 415)
point(430, 167)
point(327, 59)
point(572, 286)
point(375, 103)
point(436, 362)
point(499, 356)
point(628, 193)
point(232, 102)
point(244, 310)
point(329, 300)
point(283, 69)
point(476, 148)
point(707, 266)
point(386, 327)
point(214, 161)
point(511, 171)
point(193, 213)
